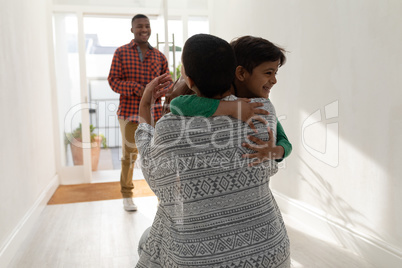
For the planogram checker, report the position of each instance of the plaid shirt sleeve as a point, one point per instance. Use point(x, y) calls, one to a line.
point(117, 80)
point(129, 75)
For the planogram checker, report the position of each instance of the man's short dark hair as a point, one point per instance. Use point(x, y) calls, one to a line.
point(138, 16)
point(210, 62)
point(251, 51)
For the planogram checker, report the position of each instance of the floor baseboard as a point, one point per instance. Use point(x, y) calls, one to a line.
point(375, 251)
point(24, 227)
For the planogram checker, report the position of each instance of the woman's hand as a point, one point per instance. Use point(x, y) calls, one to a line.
point(265, 150)
point(154, 90)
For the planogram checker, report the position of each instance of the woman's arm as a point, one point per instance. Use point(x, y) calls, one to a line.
point(145, 131)
point(155, 89)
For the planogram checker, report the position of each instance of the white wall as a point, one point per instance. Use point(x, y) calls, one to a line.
point(344, 56)
point(27, 160)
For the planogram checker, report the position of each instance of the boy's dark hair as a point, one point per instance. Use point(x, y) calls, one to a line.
point(210, 62)
point(138, 16)
point(251, 51)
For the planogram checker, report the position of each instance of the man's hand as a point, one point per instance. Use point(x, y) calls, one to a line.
point(265, 150)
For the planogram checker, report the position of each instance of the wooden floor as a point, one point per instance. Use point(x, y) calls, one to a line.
point(103, 234)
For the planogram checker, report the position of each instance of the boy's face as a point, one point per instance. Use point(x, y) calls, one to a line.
point(141, 28)
point(261, 80)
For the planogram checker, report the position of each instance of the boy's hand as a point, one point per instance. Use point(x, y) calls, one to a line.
point(246, 112)
point(265, 150)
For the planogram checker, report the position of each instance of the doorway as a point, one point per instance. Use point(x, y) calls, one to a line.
point(84, 45)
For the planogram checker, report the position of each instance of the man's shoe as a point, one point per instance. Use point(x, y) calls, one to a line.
point(129, 204)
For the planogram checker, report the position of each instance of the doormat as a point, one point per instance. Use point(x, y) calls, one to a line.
point(88, 192)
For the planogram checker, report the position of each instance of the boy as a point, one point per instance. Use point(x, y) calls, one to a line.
point(214, 210)
point(258, 62)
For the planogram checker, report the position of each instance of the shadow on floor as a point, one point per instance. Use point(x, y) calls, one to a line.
point(311, 252)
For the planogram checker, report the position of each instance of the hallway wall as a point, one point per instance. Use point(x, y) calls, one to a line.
point(339, 100)
point(27, 160)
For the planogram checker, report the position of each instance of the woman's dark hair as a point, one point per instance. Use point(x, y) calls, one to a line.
point(251, 51)
point(210, 62)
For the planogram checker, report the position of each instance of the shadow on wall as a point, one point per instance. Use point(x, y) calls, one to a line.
point(348, 176)
point(336, 209)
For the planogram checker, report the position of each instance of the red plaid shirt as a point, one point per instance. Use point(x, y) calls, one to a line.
point(128, 75)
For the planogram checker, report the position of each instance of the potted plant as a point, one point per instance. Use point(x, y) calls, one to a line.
point(75, 141)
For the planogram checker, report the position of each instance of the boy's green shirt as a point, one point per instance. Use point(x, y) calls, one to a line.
point(192, 105)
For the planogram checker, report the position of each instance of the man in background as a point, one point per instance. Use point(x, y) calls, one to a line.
point(134, 65)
